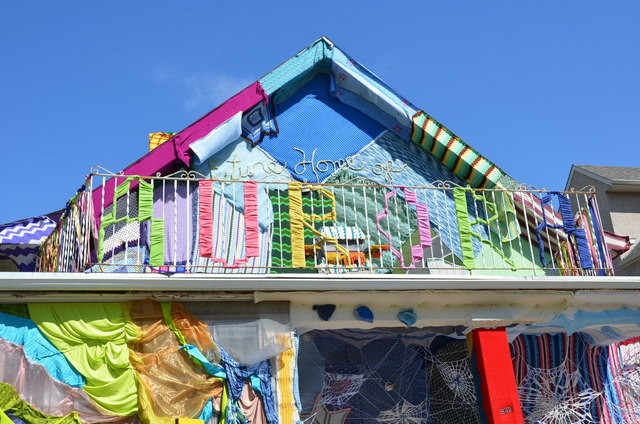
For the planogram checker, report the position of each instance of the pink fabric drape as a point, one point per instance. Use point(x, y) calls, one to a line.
point(241, 102)
point(205, 198)
point(175, 152)
point(424, 227)
point(36, 387)
point(251, 219)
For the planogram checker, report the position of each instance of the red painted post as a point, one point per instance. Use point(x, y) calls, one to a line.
point(500, 399)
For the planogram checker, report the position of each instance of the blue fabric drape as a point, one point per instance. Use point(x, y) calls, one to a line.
point(237, 376)
point(569, 227)
point(37, 348)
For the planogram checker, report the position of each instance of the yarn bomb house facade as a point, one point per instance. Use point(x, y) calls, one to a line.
point(316, 250)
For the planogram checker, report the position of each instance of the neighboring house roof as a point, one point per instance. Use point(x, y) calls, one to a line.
point(614, 172)
point(618, 178)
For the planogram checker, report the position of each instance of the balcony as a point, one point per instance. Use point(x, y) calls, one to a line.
point(184, 223)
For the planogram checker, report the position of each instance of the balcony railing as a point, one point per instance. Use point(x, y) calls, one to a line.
point(184, 223)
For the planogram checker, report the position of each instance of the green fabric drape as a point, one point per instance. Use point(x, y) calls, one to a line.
point(466, 230)
point(506, 226)
point(94, 337)
point(145, 213)
point(10, 402)
point(4, 419)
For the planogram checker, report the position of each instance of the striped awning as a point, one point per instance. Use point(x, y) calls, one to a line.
point(343, 233)
point(617, 244)
point(454, 153)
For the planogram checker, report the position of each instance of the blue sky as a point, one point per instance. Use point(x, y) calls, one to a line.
point(534, 86)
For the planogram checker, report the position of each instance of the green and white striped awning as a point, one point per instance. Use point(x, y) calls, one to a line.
point(343, 233)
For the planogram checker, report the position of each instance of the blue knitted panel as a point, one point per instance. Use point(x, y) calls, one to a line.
point(423, 170)
point(321, 127)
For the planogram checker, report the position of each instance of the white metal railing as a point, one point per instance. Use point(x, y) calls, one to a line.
point(187, 223)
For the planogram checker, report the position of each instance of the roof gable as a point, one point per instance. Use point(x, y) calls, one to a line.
point(350, 83)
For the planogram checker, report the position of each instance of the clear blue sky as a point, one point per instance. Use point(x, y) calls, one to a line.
point(535, 86)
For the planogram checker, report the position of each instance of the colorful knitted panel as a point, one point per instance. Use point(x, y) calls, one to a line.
point(287, 78)
point(408, 165)
point(228, 242)
point(454, 153)
point(318, 133)
point(281, 254)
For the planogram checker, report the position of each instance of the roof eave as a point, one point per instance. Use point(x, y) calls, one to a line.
point(25, 283)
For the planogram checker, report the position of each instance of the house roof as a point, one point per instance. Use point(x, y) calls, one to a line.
point(353, 80)
point(619, 178)
point(628, 173)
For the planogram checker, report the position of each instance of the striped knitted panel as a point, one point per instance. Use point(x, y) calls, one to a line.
point(454, 153)
point(281, 239)
point(287, 78)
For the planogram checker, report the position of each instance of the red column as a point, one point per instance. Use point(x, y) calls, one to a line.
point(500, 399)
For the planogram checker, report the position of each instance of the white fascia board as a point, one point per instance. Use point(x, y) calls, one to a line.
point(184, 283)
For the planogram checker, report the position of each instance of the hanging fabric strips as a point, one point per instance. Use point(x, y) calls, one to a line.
point(465, 226)
point(424, 229)
point(259, 376)
point(38, 388)
point(285, 368)
point(172, 201)
point(252, 231)
point(599, 235)
point(145, 213)
point(251, 218)
point(205, 210)
point(68, 247)
point(507, 225)
point(301, 220)
point(170, 386)
point(568, 226)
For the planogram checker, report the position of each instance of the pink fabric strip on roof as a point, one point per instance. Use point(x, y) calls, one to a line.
point(167, 157)
point(241, 102)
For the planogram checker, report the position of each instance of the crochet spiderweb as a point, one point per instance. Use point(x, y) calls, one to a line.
point(339, 388)
point(553, 396)
point(405, 413)
point(386, 376)
point(626, 384)
point(459, 380)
